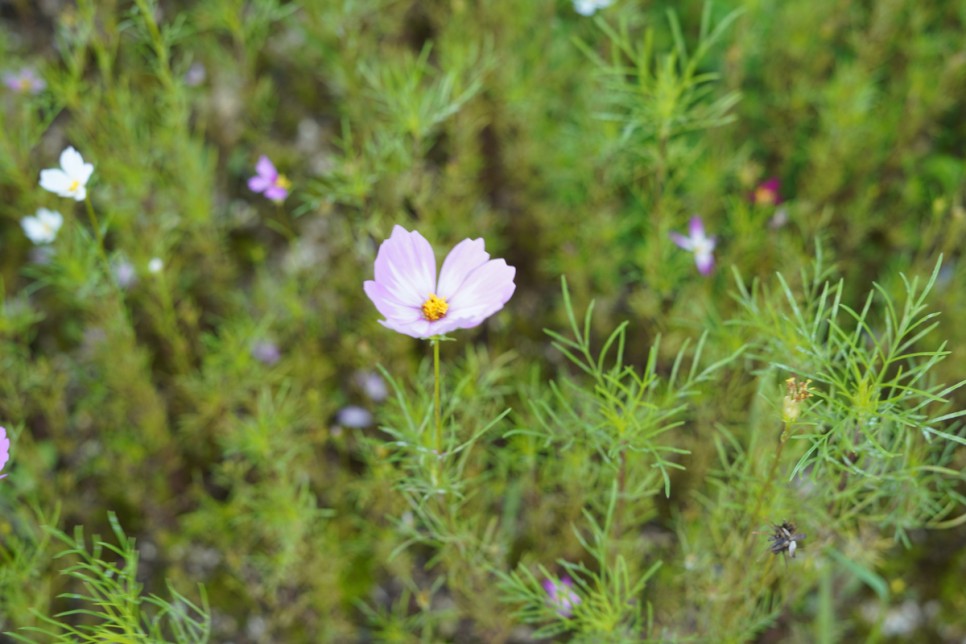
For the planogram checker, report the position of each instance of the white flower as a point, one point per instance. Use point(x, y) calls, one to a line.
point(70, 179)
point(589, 7)
point(42, 228)
point(155, 265)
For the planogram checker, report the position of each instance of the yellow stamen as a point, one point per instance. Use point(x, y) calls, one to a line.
point(74, 185)
point(434, 307)
point(283, 182)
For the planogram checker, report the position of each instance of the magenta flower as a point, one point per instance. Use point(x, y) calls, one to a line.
point(24, 81)
point(562, 595)
point(471, 286)
point(766, 194)
point(268, 181)
point(697, 243)
point(4, 449)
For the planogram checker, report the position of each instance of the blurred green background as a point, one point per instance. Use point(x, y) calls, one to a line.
point(205, 404)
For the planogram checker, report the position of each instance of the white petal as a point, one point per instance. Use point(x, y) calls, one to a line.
point(55, 181)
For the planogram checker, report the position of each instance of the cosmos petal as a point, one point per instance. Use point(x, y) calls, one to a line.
point(466, 257)
point(681, 241)
point(483, 292)
point(696, 228)
point(266, 169)
point(406, 267)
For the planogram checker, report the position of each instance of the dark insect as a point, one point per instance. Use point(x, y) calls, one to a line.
point(785, 539)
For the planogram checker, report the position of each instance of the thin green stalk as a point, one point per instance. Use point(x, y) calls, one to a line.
point(437, 410)
point(92, 216)
point(770, 479)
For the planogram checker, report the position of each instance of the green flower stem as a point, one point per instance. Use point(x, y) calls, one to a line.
point(437, 410)
point(92, 216)
point(770, 478)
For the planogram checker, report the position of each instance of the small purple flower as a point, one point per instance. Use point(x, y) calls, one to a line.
point(4, 449)
point(195, 75)
point(268, 181)
point(24, 81)
point(373, 385)
point(766, 194)
point(562, 595)
point(471, 286)
point(124, 273)
point(354, 417)
point(266, 352)
point(699, 244)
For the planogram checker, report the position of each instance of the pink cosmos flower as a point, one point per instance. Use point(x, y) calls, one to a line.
point(268, 181)
point(697, 243)
point(563, 597)
point(24, 81)
point(471, 286)
point(766, 194)
point(4, 449)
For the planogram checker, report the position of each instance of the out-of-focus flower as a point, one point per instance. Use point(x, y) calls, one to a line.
point(4, 449)
point(24, 81)
point(354, 417)
point(125, 273)
point(590, 7)
point(268, 181)
point(698, 243)
point(155, 266)
point(798, 393)
point(766, 194)
point(195, 75)
point(372, 385)
point(266, 352)
point(42, 228)
point(70, 179)
point(562, 595)
point(779, 219)
point(471, 286)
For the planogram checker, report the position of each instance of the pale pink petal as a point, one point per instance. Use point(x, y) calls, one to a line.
point(466, 257)
point(696, 228)
point(406, 267)
point(421, 329)
point(266, 169)
point(4, 447)
point(681, 241)
point(483, 292)
point(705, 262)
point(259, 184)
point(389, 306)
point(276, 193)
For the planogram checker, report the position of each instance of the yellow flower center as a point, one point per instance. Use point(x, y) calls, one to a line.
point(434, 307)
point(283, 182)
point(74, 185)
point(765, 197)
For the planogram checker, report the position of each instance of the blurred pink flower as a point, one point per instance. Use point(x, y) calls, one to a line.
point(268, 181)
point(563, 597)
point(766, 194)
point(4, 449)
point(699, 244)
point(24, 81)
point(471, 286)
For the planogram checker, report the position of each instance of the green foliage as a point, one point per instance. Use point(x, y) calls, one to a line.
point(111, 606)
point(635, 432)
